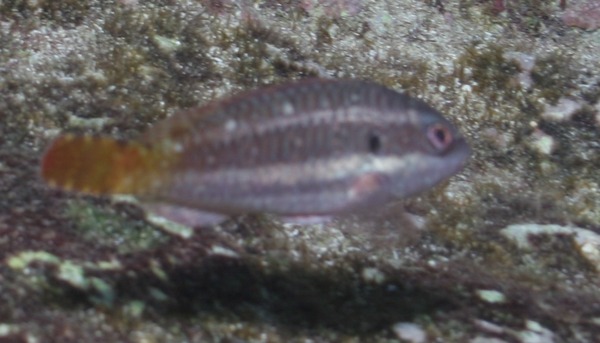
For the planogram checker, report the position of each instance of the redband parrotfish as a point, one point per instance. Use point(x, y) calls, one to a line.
point(315, 147)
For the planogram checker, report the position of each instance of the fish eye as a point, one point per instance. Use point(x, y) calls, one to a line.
point(439, 136)
point(374, 143)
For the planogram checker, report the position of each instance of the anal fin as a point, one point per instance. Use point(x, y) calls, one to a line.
point(184, 215)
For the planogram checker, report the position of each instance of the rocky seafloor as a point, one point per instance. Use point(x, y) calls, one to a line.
point(506, 251)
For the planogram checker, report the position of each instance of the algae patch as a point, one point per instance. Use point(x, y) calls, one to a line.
point(74, 273)
point(108, 226)
point(493, 75)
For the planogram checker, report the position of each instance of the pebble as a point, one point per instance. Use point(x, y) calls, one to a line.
point(562, 111)
point(586, 241)
point(410, 332)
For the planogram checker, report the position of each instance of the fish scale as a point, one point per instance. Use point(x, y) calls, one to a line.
point(309, 147)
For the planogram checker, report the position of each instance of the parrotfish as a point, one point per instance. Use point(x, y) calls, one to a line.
point(315, 147)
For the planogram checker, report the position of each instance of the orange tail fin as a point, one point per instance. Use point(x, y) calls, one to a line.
point(101, 165)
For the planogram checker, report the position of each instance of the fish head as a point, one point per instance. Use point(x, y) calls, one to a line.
point(435, 151)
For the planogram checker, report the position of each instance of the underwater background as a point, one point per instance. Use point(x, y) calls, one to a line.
point(508, 250)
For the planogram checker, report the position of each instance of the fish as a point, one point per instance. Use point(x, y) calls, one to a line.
point(308, 148)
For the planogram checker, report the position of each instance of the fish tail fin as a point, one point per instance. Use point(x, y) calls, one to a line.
point(101, 165)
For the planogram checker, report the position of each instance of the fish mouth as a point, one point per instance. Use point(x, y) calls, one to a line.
point(459, 156)
point(451, 163)
point(424, 171)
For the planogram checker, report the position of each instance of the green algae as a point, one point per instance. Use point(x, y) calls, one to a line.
point(554, 76)
point(494, 76)
point(23, 260)
point(106, 226)
point(66, 12)
point(530, 16)
point(74, 273)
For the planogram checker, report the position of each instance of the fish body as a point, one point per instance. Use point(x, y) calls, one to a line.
point(311, 147)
